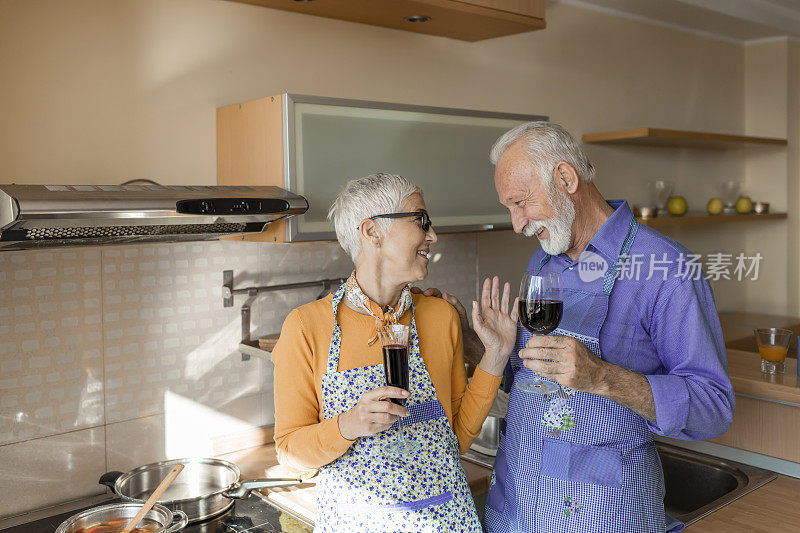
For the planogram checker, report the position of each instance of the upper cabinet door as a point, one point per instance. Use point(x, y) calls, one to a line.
point(466, 20)
point(315, 145)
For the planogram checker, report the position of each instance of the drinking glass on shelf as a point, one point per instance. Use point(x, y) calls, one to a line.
point(394, 339)
point(659, 192)
point(540, 308)
point(730, 192)
point(773, 343)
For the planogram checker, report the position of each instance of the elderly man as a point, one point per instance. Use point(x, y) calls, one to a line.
point(639, 351)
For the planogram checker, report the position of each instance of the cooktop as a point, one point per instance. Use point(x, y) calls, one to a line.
point(253, 515)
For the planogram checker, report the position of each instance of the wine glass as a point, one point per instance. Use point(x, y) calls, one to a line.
point(660, 191)
point(394, 338)
point(540, 308)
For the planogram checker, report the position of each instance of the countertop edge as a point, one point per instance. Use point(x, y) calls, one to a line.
point(747, 378)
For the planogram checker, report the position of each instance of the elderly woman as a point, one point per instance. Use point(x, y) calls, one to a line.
point(332, 408)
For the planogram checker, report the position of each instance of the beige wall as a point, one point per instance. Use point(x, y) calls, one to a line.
point(96, 91)
point(793, 171)
point(766, 169)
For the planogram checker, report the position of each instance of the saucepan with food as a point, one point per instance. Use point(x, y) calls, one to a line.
point(205, 488)
point(113, 517)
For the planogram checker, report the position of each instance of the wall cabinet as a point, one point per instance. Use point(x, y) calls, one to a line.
point(466, 20)
point(250, 152)
point(764, 427)
point(314, 145)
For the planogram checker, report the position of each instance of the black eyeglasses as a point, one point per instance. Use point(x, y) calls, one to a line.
point(426, 219)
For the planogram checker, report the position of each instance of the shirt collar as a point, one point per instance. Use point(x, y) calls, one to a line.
point(608, 239)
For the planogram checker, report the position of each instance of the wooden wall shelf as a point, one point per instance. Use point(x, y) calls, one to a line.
point(679, 138)
point(466, 20)
point(699, 218)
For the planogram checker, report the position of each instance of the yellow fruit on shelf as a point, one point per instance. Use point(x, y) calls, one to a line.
point(676, 205)
point(744, 205)
point(714, 206)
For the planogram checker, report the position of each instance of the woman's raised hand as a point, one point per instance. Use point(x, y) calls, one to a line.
point(373, 413)
point(494, 325)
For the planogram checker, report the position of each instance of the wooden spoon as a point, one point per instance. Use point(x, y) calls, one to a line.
point(151, 501)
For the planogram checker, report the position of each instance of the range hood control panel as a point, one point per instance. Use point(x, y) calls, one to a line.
point(232, 206)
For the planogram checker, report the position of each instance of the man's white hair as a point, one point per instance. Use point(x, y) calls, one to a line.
point(546, 144)
point(376, 194)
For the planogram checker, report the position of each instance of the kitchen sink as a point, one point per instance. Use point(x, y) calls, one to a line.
point(696, 484)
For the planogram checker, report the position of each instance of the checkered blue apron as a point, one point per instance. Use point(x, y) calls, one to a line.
point(366, 490)
point(573, 461)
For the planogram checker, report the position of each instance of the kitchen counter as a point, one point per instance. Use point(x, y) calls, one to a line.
point(746, 377)
point(737, 329)
point(767, 416)
point(300, 500)
point(772, 508)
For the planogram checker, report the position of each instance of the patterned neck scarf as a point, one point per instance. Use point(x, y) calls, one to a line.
point(361, 302)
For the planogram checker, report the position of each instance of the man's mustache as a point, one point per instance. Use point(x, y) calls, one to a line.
point(532, 228)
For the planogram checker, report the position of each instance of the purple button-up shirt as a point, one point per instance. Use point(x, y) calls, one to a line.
point(665, 328)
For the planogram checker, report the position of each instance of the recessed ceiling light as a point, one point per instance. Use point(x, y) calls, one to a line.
point(417, 18)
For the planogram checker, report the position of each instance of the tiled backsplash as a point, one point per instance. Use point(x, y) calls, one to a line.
point(116, 356)
point(51, 343)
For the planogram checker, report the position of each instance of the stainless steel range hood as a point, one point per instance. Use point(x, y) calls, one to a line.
point(34, 216)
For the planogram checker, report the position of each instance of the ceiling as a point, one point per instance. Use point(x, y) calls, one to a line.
point(741, 21)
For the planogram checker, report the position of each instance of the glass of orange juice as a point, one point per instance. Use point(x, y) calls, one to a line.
point(773, 343)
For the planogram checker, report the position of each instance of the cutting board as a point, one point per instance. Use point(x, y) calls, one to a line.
point(301, 500)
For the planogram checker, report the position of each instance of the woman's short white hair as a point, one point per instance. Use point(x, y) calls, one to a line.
point(546, 144)
point(376, 194)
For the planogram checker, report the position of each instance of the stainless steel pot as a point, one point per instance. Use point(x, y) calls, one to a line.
point(205, 488)
point(170, 521)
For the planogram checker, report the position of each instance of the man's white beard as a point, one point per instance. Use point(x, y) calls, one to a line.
point(559, 227)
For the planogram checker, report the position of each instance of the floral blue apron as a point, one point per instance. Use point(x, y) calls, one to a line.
point(367, 490)
point(573, 461)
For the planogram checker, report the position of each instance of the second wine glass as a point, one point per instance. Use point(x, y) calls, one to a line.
point(541, 306)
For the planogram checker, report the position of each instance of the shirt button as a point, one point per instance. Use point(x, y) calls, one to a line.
point(571, 268)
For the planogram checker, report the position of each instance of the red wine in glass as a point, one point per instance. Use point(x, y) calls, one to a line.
point(541, 307)
point(540, 316)
point(394, 339)
point(395, 368)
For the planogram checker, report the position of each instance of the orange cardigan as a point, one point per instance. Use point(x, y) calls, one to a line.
point(304, 441)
